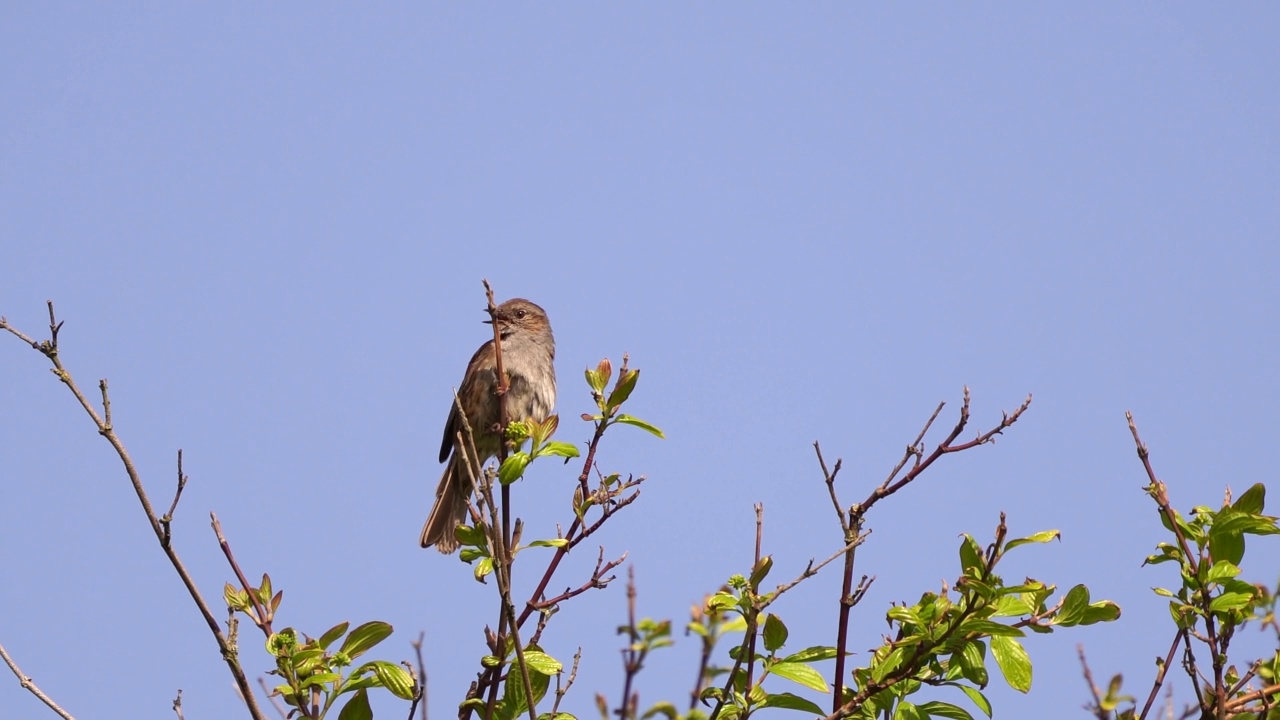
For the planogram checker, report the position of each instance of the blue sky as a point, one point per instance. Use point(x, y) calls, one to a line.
point(268, 227)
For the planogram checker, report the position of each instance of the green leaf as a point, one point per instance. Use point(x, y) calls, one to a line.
point(989, 627)
point(721, 601)
point(1101, 611)
point(1073, 607)
point(908, 711)
point(513, 467)
point(970, 555)
point(973, 663)
point(802, 674)
point(394, 678)
point(553, 542)
point(483, 568)
point(1221, 570)
point(1226, 544)
point(357, 708)
point(761, 571)
point(775, 633)
point(320, 679)
point(365, 637)
point(1014, 662)
point(891, 662)
point(626, 419)
point(1231, 521)
point(514, 697)
point(541, 662)
point(1040, 537)
point(812, 654)
point(787, 701)
point(977, 698)
point(333, 634)
point(470, 535)
point(1013, 605)
point(622, 391)
point(597, 379)
point(559, 449)
point(905, 615)
point(1252, 501)
point(664, 708)
point(945, 710)
point(1230, 601)
point(235, 599)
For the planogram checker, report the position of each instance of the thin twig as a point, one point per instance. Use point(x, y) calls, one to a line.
point(1098, 712)
point(420, 697)
point(30, 685)
point(275, 702)
point(167, 519)
point(263, 619)
point(561, 691)
point(754, 620)
point(829, 476)
point(1164, 669)
point(49, 348)
point(632, 657)
point(890, 486)
point(598, 581)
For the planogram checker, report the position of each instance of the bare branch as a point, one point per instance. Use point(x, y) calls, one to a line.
point(30, 685)
point(49, 348)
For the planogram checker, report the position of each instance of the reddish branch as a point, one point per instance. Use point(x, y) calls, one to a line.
point(851, 520)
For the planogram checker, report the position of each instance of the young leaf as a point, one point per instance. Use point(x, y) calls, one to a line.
point(554, 542)
point(365, 637)
point(802, 674)
point(1101, 611)
point(622, 391)
point(1230, 601)
point(541, 662)
point(1073, 607)
point(394, 678)
point(970, 555)
point(812, 654)
point(483, 568)
point(775, 633)
point(513, 467)
point(1252, 501)
point(908, 711)
point(1221, 570)
point(761, 571)
point(977, 698)
point(559, 449)
point(788, 701)
point(1040, 537)
point(973, 663)
point(626, 419)
point(945, 710)
point(333, 634)
point(357, 708)
point(1014, 662)
point(1226, 544)
point(597, 379)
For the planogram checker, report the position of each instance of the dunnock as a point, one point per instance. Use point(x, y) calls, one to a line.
point(528, 352)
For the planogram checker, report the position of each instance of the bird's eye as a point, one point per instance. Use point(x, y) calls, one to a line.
point(520, 313)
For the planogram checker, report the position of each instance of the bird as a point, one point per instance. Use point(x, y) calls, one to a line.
point(528, 358)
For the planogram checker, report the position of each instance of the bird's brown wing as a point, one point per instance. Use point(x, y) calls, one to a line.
point(453, 425)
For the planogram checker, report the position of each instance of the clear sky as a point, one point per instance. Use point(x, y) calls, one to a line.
point(268, 226)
